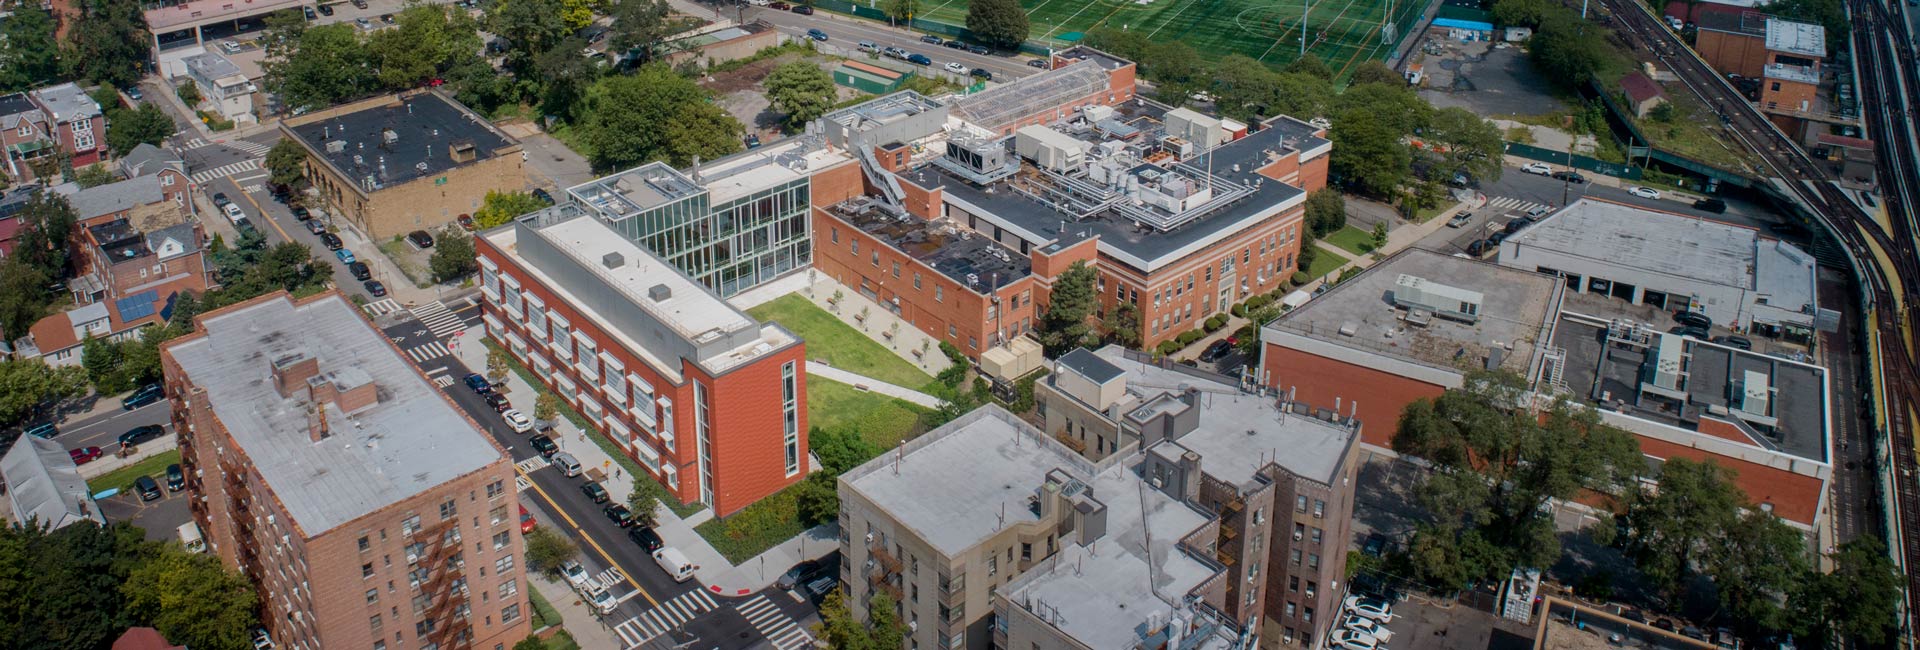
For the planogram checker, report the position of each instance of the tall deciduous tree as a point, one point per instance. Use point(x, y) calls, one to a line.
point(132, 127)
point(427, 40)
point(531, 27)
point(1368, 155)
point(61, 589)
point(108, 42)
point(1326, 211)
point(193, 600)
point(547, 549)
point(1754, 564)
point(1123, 324)
point(29, 57)
point(1499, 460)
point(641, 26)
point(1310, 65)
point(1568, 49)
point(286, 161)
point(655, 114)
point(1375, 72)
point(1858, 601)
point(1669, 528)
point(1472, 143)
point(1065, 324)
point(566, 78)
point(843, 631)
point(801, 90)
point(26, 384)
point(23, 297)
point(330, 65)
point(453, 256)
point(998, 23)
point(900, 11)
point(47, 226)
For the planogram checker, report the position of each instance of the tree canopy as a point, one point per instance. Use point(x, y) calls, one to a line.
point(329, 66)
point(640, 26)
point(801, 90)
point(453, 256)
point(28, 384)
point(1065, 325)
point(29, 56)
point(1368, 155)
point(1000, 24)
point(192, 599)
point(131, 127)
point(1326, 211)
point(500, 207)
point(108, 42)
point(843, 631)
point(286, 162)
point(654, 114)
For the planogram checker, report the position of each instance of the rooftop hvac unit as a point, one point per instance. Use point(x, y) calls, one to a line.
point(1050, 149)
point(1412, 292)
point(1756, 393)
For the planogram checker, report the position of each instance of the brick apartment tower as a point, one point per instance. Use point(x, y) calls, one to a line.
point(367, 510)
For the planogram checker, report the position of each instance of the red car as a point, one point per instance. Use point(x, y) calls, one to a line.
point(779, 6)
point(85, 455)
point(526, 521)
point(466, 221)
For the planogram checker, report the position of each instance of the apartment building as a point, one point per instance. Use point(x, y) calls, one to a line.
point(1415, 324)
point(413, 161)
point(990, 532)
point(710, 402)
point(366, 508)
point(51, 121)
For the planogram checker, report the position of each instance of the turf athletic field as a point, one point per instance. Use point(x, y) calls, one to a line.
point(1341, 32)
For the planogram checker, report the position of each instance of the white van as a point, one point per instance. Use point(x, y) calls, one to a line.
point(190, 537)
point(568, 465)
point(675, 564)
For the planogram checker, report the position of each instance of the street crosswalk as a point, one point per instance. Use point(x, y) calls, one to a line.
point(531, 464)
point(224, 171)
point(194, 143)
point(428, 351)
point(438, 319)
point(381, 307)
point(249, 147)
point(775, 625)
point(1505, 203)
point(669, 615)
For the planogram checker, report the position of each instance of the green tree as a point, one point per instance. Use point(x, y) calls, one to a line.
point(840, 450)
point(1499, 460)
point(999, 24)
point(1178, 68)
point(1524, 13)
point(1064, 326)
point(23, 297)
point(101, 359)
point(1568, 49)
point(641, 26)
point(566, 78)
point(1368, 155)
point(108, 42)
point(1754, 565)
point(192, 599)
point(1375, 72)
point(655, 114)
point(1130, 44)
point(531, 28)
point(330, 65)
point(427, 40)
point(1309, 65)
point(286, 161)
point(843, 631)
point(93, 175)
point(1122, 324)
point(1397, 107)
point(1472, 143)
point(500, 207)
point(817, 499)
point(801, 90)
point(1326, 211)
point(1858, 601)
point(497, 368)
point(546, 407)
point(453, 256)
point(47, 224)
point(900, 11)
point(644, 500)
point(188, 92)
point(1669, 528)
point(61, 588)
point(132, 127)
point(28, 384)
point(547, 549)
point(29, 57)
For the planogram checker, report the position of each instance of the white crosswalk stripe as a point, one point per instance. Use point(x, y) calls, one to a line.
point(521, 484)
point(249, 147)
point(381, 307)
point(669, 615)
point(1510, 203)
point(438, 319)
point(195, 143)
point(775, 625)
point(223, 171)
point(428, 351)
point(531, 464)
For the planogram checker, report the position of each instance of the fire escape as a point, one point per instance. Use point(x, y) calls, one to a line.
point(447, 614)
point(883, 570)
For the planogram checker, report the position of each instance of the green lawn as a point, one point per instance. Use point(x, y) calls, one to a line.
point(123, 478)
point(1324, 262)
point(838, 344)
point(757, 527)
point(543, 612)
point(1359, 242)
point(882, 420)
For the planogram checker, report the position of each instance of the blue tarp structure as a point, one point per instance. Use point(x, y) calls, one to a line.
point(1456, 23)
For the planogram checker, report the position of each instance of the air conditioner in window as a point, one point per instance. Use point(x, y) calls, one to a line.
point(1155, 482)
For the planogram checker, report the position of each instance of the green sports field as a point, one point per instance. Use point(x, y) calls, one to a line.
point(1341, 32)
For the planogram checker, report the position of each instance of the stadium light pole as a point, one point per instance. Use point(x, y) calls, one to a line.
point(1306, 8)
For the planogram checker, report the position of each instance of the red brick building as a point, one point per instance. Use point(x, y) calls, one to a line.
point(366, 508)
point(55, 120)
point(710, 402)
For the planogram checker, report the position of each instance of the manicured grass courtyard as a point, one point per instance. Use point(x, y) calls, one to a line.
point(123, 478)
point(1359, 242)
point(1324, 262)
point(882, 420)
point(840, 345)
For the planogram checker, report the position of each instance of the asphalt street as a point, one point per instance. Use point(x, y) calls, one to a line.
point(651, 602)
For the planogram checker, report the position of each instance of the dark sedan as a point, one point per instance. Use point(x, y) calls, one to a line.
point(648, 540)
point(618, 514)
point(331, 241)
point(141, 434)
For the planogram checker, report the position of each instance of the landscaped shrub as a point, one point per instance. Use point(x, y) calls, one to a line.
point(1300, 278)
point(1215, 323)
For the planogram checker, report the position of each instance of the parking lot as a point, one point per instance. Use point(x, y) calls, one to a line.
point(161, 518)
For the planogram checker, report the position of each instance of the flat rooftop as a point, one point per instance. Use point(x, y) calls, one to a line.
point(119, 241)
point(969, 260)
point(635, 190)
point(995, 108)
point(1611, 376)
point(1518, 308)
point(1803, 39)
point(743, 174)
point(410, 441)
point(1239, 432)
point(1681, 246)
point(409, 138)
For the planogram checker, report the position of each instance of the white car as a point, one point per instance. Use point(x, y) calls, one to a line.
point(1644, 192)
point(1537, 168)
point(233, 213)
point(956, 68)
point(1372, 608)
point(601, 601)
point(1367, 626)
point(575, 574)
point(519, 421)
point(1351, 640)
point(230, 46)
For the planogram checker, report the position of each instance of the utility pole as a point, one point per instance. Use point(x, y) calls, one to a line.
point(1306, 8)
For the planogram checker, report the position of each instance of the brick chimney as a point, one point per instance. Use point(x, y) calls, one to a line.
point(354, 389)
point(292, 371)
point(317, 428)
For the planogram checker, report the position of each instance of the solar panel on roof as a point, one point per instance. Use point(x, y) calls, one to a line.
point(137, 306)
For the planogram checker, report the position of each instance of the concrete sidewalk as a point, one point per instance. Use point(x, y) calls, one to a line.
point(110, 462)
point(587, 630)
point(824, 371)
point(716, 573)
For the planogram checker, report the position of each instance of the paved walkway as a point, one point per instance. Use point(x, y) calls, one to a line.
point(716, 573)
point(111, 462)
point(825, 371)
point(587, 629)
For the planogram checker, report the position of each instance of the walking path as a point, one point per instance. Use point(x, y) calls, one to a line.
point(718, 575)
point(824, 371)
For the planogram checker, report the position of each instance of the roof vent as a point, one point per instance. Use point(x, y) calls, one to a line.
point(389, 136)
point(336, 146)
point(659, 293)
point(613, 260)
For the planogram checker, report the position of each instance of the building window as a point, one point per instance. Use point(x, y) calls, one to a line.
point(510, 614)
point(501, 539)
point(896, 270)
point(1319, 508)
point(916, 280)
point(373, 622)
point(366, 570)
point(509, 588)
point(364, 545)
point(373, 595)
point(790, 405)
point(835, 233)
point(448, 510)
point(856, 246)
point(503, 565)
point(876, 258)
point(1300, 503)
point(939, 293)
point(952, 331)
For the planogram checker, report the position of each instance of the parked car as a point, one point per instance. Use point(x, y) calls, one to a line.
point(752, 141)
point(955, 45)
point(919, 59)
point(543, 444)
point(345, 256)
point(360, 4)
point(220, 200)
point(497, 402)
point(869, 47)
point(955, 68)
point(541, 193)
point(599, 600)
point(594, 492)
point(309, 12)
point(1515, 225)
point(331, 241)
point(1690, 331)
point(1715, 206)
point(1643, 192)
point(517, 421)
point(618, 514)
point(317, 228)
point(363, 23)
point(575, 574)
point(375, 289)
point(809, 571)
point(526, 521)
point(133, 93)
point(979, 49)
point(360, 271)
point(176, 479)
point(326, 10)
point(148, 489)
point(1216, 352)
point(1540, 168)
point(1740, 342)
point(894, 52)
point(43, 430)
point(386, 18)
point(465, 221)
point(141, 434)
point(982, 74)
point(1344, 639)
point(478, 383)
point(1693, 318)
point(817, 35)
point(420, 239)
point(1460, 220)
point(85, 455)
point(648, 540)
point(301, 213)
point(779, 6)
point(1370, 607)
point(1479, 248)
point(143, 396)
point(804, 11)
point(230, 47)
point(932, 40)
point(1367, 626)
point(1037, 63)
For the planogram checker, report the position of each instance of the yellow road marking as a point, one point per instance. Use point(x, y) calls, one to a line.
point(588, 538)
point(257, 208)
